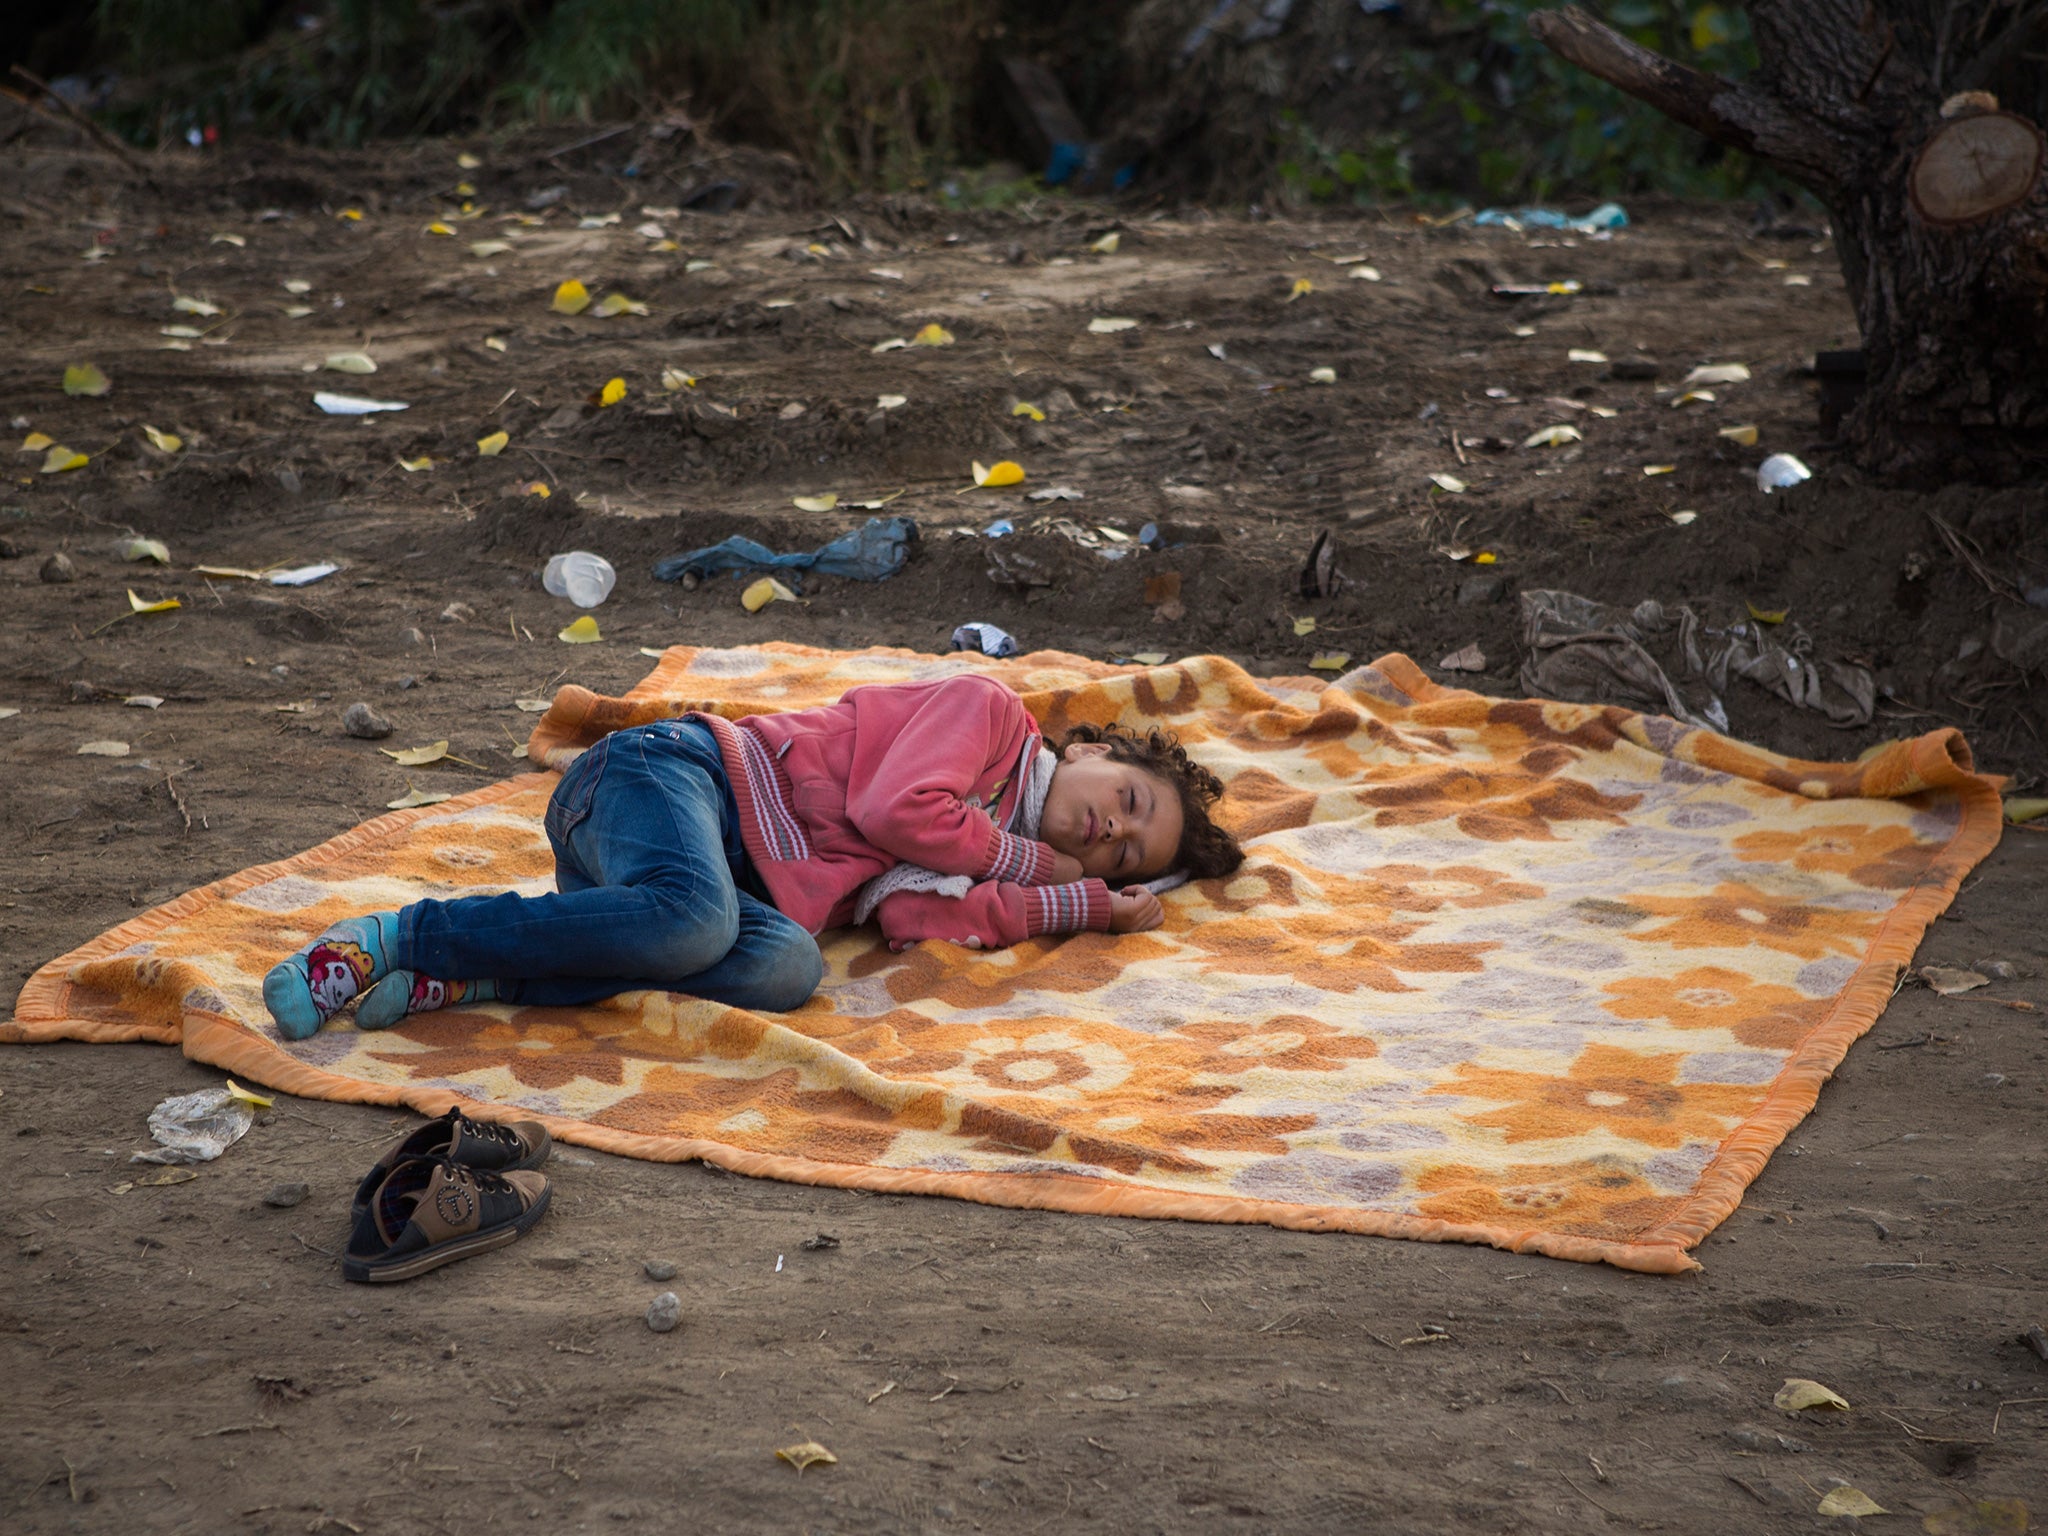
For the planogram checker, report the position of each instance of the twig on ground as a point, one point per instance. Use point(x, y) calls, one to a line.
point(170, 783)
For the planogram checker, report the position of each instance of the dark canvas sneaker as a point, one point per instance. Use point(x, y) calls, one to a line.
point(472, 1143)
point(428, 1212)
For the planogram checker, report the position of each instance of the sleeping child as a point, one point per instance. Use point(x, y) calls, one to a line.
point(702, 855)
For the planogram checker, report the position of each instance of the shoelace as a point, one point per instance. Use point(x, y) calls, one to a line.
point(485, 1181)
point(485, 1130)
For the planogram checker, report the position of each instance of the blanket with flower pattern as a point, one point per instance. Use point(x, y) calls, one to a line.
point(1553, 977)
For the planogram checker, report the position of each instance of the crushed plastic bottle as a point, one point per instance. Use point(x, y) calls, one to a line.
point(583, 578)
point(197, 1127)
point(1779, 472)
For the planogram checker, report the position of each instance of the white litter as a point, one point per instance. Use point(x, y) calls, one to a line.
point(355, 405)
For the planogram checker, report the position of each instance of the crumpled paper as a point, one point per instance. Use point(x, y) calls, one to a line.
point(1599, 653)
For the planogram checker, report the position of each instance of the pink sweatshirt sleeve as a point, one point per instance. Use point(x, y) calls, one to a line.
point(910, 776)
point(995, 914)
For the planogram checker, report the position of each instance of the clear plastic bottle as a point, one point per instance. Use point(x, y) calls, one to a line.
point(583, 578)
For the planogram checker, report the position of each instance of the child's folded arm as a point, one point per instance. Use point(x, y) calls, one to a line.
point(907, 791)
point(995, 914)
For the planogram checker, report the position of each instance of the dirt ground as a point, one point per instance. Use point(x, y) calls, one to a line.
point(188, 1358)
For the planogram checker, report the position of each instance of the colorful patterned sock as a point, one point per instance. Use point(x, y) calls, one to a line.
point(408, 992)
point(306, 989)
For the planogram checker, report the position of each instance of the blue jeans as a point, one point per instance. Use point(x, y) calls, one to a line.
point(654, 891)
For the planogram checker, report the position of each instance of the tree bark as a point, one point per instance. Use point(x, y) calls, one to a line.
point(1950, 285)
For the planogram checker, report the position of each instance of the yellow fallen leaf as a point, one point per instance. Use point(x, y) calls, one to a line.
point(169, 442)
point(467, 161)
point(613, 392)
point(60, 458)
point(234, 240)
point(1850, 1501)
point(698, 264)
point(1585, 355)
point(673, 379)
point(145, 549)
point(664, 245)
point(1148, 658)
point(484, 248)
point(1001, 473)
point(1026, 408)
point(1366, 274)
point(490, 447)
point(1683, 518)
point(416, 757)
point(824, 503)
point(495, 343)
point(1715, 373)
point(1485, 557)
point(2020, 810)
point(103, 749)
point(1305, 625)
point(414, 466)
point(1660, 469)
point(438, 228)
point(85, 379)
point(1104, 325)
point(890, 402)
point(1330, 661)
point(297, 285)
point(255, 1100)
point(1746, 436)
point(354, 215)
point(571, 298)
point(1552, 437)
point(538, 488)
point(1691, 395)
point(1449, 483)
point(1107, 245)
point(763, 592)
point(1301, 285)
point(618, 304)
point(414, 796)
point(582, 632)
point(893, 344)
point(186, 306)
point(933, 335)
point(292, 312)
point(1771, 616)
point(1799, 1393)
point(36, 442)
point(1322, 375)
point(808, 1454)
point(349, 362)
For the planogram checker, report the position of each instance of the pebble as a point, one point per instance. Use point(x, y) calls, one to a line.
point(1487, 588)
point(659, 1269)
point(362, 721)
point(412, 636)
point(59, 568)
point(664, 1312)
point(286, 1193)
point(9, 550)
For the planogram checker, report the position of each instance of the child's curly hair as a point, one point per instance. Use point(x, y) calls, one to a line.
point(1206, 851)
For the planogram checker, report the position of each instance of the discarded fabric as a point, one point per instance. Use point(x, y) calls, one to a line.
point(985, 638)
point(1595, 653)
point(876, 550)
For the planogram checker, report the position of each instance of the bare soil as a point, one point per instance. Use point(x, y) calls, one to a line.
point(187, 1358)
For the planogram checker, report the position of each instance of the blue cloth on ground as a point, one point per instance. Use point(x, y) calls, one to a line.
point(878, 549)
point(1606, 216)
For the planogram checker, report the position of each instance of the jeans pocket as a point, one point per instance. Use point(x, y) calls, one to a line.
point(569, 806)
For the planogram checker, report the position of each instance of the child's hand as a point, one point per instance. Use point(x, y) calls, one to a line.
point(1134, 911)
point(1066, 869)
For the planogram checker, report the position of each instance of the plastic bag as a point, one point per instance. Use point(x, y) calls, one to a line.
point(197, 1127)
point(878, 549)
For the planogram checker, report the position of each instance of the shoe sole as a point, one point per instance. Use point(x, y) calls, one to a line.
point(377, 1272)
point(526, 1164)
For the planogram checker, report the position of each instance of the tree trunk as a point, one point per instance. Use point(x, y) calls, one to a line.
point(1940, 221)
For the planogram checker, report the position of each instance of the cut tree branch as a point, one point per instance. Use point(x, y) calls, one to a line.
point(1738, 116)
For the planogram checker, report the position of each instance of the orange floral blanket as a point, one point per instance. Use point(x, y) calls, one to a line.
point(1549, 976)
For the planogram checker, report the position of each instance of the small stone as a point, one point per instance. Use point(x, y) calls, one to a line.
point(361, 721)
point(664, 1312)
point(1485, 588)
point(288, 479)
point(59, 568)
point(412, 637)
point(286, 1193)
point(83, 692)
point(659, 1269)
point(9, 550)
point(408, 682)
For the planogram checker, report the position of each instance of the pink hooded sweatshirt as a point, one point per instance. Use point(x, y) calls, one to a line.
point(920, 773)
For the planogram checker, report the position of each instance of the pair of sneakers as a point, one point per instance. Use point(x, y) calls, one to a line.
point(454, 1188)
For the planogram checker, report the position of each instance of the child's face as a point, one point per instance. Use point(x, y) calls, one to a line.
point(1121, 822)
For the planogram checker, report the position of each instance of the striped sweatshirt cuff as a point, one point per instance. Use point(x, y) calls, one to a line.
point(1018, 859)
point(1074, 908)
